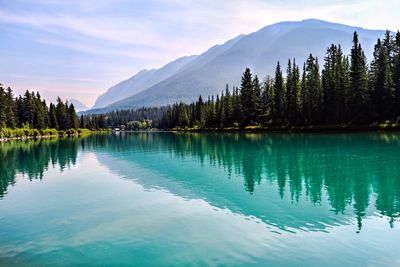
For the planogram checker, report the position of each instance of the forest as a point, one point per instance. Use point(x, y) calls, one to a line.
point(347, 91)
point(29, 115)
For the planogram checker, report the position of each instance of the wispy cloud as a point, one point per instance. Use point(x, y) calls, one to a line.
point(113, 39)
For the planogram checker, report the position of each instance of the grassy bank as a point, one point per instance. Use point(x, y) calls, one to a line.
point(29, 133)
point(301, 129)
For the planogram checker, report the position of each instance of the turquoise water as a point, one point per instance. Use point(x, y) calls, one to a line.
point(156, 199)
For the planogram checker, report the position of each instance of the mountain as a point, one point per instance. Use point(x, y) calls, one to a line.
point(139, 82)
point(79, 106)
point(208, 73)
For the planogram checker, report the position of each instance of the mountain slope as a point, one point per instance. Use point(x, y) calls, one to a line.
point(139, 82)
point(210, 71)
point(78, 105)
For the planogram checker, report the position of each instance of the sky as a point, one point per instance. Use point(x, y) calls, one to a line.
point(80, 48)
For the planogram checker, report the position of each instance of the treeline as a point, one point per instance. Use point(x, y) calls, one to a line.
point(347, 91)
point(129, 118)
point(31, 111)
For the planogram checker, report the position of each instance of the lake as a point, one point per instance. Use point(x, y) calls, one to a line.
point(156, 199)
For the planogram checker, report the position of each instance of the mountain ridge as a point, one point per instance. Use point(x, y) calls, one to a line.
point(209, 72)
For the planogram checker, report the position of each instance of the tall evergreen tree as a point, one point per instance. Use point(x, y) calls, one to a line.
point(61, 113)
point(11, 120)
point(279, 93)
point(292, 93)
point(247, 97)
point(267, 101)
point(313, 88)
point(396, 74)
point(227, 118)
point(358, 92)
point(53, 117)
point(381, 85)
point(73, 118)
point(3, 115)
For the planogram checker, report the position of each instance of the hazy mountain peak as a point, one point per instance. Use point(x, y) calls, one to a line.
point(208, 73)
point(79, 106)
point(140, 81)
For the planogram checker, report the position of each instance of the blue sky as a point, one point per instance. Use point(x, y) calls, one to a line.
point(78, 49)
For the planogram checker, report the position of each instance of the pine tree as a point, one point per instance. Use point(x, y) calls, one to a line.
point(257, 103)
point(11, 120)
point(342, 87)
point(279, 92)
point(73, 118)
point(247, 97)
point(381, 85)
point(313, 88)
point(40, 112)
point(82, 122)
point(304, 105)
point(265, 115)
point(396, 74)
point(292, 92)
point(61, 114)
point(200, 112)
point(237, 106)
point(3, 107)
point(53, 117)
point(358, 91)
point(330, 85)
point(227, 118)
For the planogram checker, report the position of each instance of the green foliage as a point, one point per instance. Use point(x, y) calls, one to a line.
point(139, 125)
point(347, 91)
point(31, 110)
point(27, 132)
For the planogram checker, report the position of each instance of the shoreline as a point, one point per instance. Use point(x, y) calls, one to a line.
point(294, 129)
point(60, 134)
point(22, 138)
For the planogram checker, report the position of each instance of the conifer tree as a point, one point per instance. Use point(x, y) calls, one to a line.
point(227, 118)
point(381, 86)
point(3, 117)
point(256, 100)
point(237, 106)
point(247, 97)
point(313, 90)
point(396, 74)
point(81, 122)
point(292, 93)
point(265, 116)
point(72, 117)
point(10, 108)
point(61, 113)
point(359, 94)
point(279, 92)
point(53, 117)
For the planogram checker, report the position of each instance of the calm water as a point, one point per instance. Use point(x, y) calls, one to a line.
point(201, 199)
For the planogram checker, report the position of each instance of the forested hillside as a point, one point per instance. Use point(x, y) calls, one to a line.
point(347, 90)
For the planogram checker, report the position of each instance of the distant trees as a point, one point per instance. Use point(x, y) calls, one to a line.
point(348, 90)
point(139, 125)
point(32, 111)
point(117, 118)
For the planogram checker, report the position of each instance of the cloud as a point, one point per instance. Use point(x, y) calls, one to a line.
point(113, 39)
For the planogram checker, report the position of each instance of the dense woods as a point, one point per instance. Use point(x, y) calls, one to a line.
point(134, 119)
point(347, 91)
point(31, 111)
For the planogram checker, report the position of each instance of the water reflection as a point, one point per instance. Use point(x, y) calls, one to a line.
point(356, 172)
point(32, 158)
